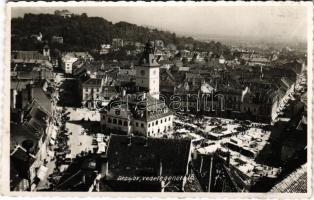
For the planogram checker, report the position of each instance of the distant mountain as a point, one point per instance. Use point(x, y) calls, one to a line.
point(81, 32)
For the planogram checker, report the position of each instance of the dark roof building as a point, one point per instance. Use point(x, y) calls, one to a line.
point(93, 82)
point(150, 160)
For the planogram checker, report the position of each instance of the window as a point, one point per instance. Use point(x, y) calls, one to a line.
point(136, 124)
point(125, 123)
point(109, 120)
point(168, 128)
point(158, 130)
point(165, 119)
point(114, 121)
point(161, 121)
point(152, 123)
point(142, 72)
point(148, 124)
point(142, 125)
point(157, 122)
point(120, 122)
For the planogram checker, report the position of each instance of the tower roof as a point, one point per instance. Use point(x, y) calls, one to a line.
point(148, 58)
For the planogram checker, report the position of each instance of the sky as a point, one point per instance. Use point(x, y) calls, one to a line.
point(281, 22)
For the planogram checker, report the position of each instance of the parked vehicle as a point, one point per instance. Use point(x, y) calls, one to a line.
point(67, 161)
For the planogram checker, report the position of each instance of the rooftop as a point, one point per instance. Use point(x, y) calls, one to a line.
point(28, 55)
point(93, 82)
point(296, 182)
point(141, 156)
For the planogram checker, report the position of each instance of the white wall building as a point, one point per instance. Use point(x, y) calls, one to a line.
point(70, 57)
point(67, 63)
point(125, 115)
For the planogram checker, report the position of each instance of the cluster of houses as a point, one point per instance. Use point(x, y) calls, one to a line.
point(135, 101)
point(233, 89)
point(33, 118)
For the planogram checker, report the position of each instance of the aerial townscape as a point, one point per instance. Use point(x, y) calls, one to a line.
point(98, 106)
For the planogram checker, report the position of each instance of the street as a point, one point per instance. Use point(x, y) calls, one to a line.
point(82, 132)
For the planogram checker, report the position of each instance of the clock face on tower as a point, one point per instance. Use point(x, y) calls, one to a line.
point(142, 72)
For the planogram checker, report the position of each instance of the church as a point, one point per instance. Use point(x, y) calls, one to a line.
point(140, 112)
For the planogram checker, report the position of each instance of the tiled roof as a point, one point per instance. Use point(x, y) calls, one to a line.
point(140, 156)
point(296, 182)
point(164, 73)
point(84, 55)
point(42, 100)
point(78, 177)
point(93, 82)
point(259, 59)
point(28, 55)
point(19, 133)
point(146, 109)
point(43, 74)
point(19, 160)
point(19, 85)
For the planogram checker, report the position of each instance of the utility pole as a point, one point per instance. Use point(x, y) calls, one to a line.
point(210, 173)
point(201, 167)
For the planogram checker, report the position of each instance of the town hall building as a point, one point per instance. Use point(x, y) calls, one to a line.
point(140, 112)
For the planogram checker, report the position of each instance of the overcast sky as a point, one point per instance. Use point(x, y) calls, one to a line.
point(260, 22)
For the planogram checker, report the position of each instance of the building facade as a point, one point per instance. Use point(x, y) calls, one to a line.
point(140, 113)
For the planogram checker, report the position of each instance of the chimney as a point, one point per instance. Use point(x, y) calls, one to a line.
point(30, 91)
point(21, 115)
point(160, 167)
point(14, 94)
point(104, 167)
point(144, 96)
point(84, 179)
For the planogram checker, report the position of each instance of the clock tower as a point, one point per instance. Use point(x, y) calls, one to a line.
point(147, 72)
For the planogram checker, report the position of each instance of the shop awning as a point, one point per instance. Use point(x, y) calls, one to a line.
point(42, 172)
point(101, 147)
point(51, 153)
point(54, 132)
point(52, 141)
